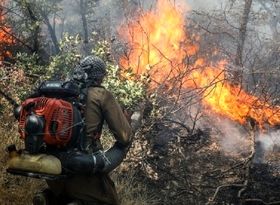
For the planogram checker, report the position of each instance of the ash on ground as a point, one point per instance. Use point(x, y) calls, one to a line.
point(183, 167)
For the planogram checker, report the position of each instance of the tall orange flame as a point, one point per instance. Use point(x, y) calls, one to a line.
point(159, 47)
point(155, 40)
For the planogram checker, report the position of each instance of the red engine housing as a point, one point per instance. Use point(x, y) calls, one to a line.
point(57, 115)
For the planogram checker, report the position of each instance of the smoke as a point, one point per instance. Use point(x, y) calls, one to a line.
point(106, 16)
point(204, 4)
point(233, 139)
point(269, 141)
point(236, 141)
point(266, 143)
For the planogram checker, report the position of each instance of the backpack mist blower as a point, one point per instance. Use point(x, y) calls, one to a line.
point(49, 121)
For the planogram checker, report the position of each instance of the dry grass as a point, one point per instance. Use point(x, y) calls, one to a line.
point(13, 190)
point(132, 192)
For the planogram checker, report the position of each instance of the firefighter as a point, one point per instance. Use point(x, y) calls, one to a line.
point(90, 183)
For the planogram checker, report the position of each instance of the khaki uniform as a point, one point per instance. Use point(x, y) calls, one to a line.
point(99, 188)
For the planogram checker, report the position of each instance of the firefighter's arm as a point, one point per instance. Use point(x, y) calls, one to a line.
point(76, 162)
point(90, 163)
point(121, 129)
point(116, 120)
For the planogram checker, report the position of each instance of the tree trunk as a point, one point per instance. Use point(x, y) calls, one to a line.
point(62, 28)
point(241, 39)
point(35, 35)
point(54, 23)
point(273, 22)
point(83, 9)
point(52, 33)
point(83, 12)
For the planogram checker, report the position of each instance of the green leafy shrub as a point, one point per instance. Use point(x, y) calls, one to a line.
point(27, 73)
point(63, 63)
point(122, 83)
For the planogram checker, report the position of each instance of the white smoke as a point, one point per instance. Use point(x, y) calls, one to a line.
point(205, 4)
point(236, 141)
point(267, 143)
point(233, 138)
point(270, 141)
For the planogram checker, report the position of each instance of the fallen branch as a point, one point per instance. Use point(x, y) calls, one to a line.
point(9, 99)
point(261, 201)
point(178, 123)
point(212, 199)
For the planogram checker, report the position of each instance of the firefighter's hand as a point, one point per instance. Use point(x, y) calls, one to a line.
point(128, 115)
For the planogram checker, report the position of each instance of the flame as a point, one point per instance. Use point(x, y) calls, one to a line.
point(155, 40)
point(231, 101)
point(159, 46)
point(5, 34)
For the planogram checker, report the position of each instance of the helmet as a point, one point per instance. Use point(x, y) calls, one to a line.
point(89, 70)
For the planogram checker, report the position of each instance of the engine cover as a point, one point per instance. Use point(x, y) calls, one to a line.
point(50, 121)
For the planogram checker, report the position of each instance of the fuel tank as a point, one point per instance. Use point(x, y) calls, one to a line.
point(38, 163)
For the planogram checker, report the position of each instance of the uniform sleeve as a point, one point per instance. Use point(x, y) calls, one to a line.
point(116, 120)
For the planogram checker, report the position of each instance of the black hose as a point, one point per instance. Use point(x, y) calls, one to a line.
point(114, 156)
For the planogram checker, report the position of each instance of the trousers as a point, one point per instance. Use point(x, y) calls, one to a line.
point(96, 189)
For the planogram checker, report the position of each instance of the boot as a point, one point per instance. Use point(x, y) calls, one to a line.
point(45, 197)
point(40, 199)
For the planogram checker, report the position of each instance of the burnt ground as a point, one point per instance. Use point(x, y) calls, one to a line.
point(180, 167)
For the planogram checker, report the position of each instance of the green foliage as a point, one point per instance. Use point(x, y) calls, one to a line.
point(69, 56)
point(23, 77)
point(29, 73)
point(14, 83)
point(128, 91)
point(39, 7)
point(59, 65)
point(102, 50)
point(29, 64)
point(32, 14)
point(122, 83)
